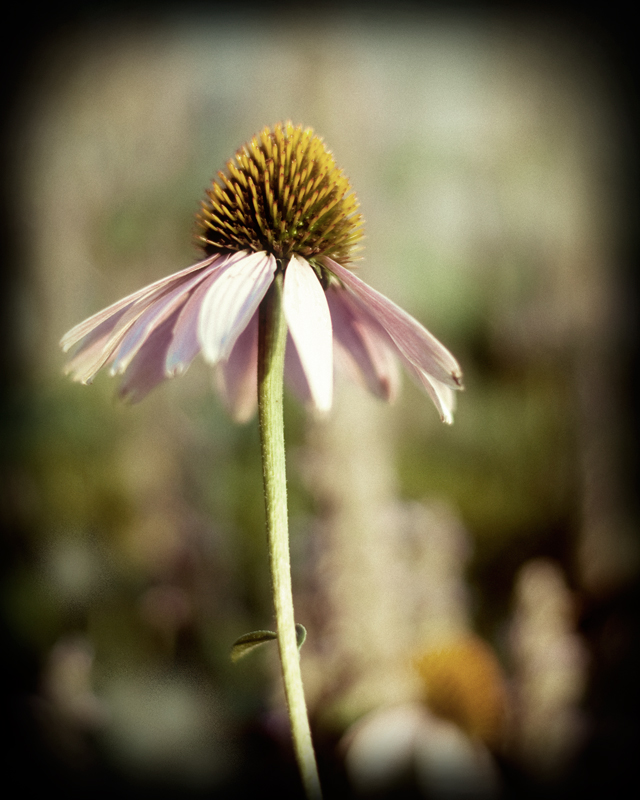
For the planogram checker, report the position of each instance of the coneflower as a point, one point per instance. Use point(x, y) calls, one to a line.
point(275, 288)
point(283, 206)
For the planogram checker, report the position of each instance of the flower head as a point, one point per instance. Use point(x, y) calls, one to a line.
point(283, 194)
point(283, 205)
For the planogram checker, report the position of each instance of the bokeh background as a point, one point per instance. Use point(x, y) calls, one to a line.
point(469, 591)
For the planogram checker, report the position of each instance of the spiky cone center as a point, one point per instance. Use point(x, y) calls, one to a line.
point(282, 193)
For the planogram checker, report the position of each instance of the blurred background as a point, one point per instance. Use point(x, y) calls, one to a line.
point(470, 591)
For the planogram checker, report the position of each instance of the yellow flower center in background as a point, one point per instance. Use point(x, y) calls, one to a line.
point(284, 194)
point(464, 683)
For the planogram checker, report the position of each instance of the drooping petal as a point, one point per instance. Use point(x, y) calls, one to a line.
point(147, 370)
point(414, 341)
point(443, 396)
point(363, 346)
point(231, 301)
point(238, 375)
point(309, 321)
point(93, 349)
point(99, 337)
point(185, 346)
point(88, 325)
point(294, 373)
point(92, 354)
point(151, 318)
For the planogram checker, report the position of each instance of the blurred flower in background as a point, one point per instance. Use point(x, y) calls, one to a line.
point(489, 161)
point(550, 660)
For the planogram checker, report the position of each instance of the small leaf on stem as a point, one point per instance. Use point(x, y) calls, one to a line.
point(301, 634)
point(249, 641)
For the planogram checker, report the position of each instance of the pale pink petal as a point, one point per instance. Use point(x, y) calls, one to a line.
point(362, 345)
point(414, 341)
point(93, 350)
point(294, 373)
point(443, 396)
point(231, 301)
point(147, 370)
point(309, 321)
point(100, 337)
point(88, 325)
point(238, 375)
point(185, 346)
point(152, 317)
point(92, 354)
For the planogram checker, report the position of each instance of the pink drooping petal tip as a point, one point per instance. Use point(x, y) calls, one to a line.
point(374, 332)
point(412, 340)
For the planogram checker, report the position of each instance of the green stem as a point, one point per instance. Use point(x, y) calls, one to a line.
point(272, 341)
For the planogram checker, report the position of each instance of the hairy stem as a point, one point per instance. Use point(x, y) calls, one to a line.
point(271, 348)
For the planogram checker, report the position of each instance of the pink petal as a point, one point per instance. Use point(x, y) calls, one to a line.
point(362, 345)
point(147, 370)
point(238, 376)
point(443, 396)
point(294, 373)
point(93, 354)
point(151, 318)
point(100, 336)
point(185, 346)
point(88, 325)
point(93, 350)
point(309, 321)
point(231, 301)
point(419, 346)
